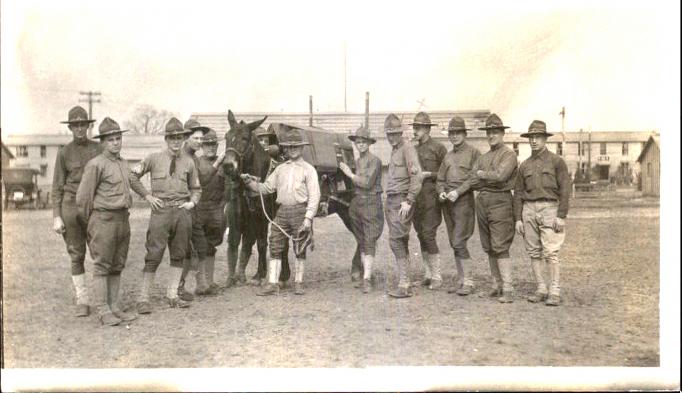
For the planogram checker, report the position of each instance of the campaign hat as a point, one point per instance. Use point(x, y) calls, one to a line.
point(362, 132)
point(393, 125)
point(174, 127)
point(422, 119)
point(78, 115)
point(108, 127)
point(537, 127)
point(292, 137)
point(493, 122)
point(194, 125)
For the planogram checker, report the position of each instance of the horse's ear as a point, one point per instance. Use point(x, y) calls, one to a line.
point(231, 119)
point(252, 126)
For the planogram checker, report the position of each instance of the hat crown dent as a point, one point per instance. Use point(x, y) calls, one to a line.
point(422, 117)
point(493, 120)
point(457, 123)
point(174, 126)
point(262, 131)
point(78, 113)
point(537, 126)
point(392, 123)
point(108, 125)
point(191, 123)
point(292, 137)
point(210, 136)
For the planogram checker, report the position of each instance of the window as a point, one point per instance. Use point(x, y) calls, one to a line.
point(43, 170)
point(43, 151)
point(625, 148)
point(515, 146)
point(560, 148)
point(602, 148)
point(22, 151)
point(580, 150)
point(648, 168)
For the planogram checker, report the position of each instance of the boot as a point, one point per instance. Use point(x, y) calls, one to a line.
point(537, 265)
point(505, 267)
point(82, 308)
point(209, 269)
point(467, 287)
point(143, 305)
point(436, 278)
point(232, 255)
point(273, 272)
point(171, 289)
point(241, 269)
point(101, 304)
point(114, 283)
point(200, 276)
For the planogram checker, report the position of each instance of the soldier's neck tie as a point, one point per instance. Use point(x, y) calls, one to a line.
point(172, 166)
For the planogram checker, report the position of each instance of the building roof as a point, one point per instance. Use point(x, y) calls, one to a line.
point(652, 139)
point(6, 152)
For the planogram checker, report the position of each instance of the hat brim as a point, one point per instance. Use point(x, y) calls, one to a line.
point(182, 132)
point(110, 133)
point(450, 131)
point(493, 128)
point(203, 129)
point(77, 121)
point(423, 124)
point(367, 138)
point(528, 134)
point(293, 144)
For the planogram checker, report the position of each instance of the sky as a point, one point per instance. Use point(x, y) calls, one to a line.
point(610, 63)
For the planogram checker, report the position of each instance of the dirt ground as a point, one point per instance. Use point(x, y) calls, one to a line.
point(609, 315)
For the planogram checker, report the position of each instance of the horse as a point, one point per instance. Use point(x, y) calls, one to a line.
point(247, 222)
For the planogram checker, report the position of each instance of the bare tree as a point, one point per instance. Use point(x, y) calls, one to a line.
point(148, 120)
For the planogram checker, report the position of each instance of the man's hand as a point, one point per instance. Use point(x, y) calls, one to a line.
point(187, 205)
point(307, 224)
point(442, 196)
point(155, 202)
point(405, 209)
point(479, 174)
point(519, 228)
point(58, 226)
point(427, 174)
point(558, 225)
point(346, 169)
point(452, 195)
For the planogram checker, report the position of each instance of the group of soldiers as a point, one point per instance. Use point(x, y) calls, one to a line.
point(426, 183)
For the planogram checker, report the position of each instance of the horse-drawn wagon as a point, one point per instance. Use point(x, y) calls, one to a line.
point(20, 186)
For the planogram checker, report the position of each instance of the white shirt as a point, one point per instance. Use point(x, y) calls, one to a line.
point(295, 182)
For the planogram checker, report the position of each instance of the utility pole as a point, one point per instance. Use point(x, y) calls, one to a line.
point(345, 82)
point(90, 100)
point(563, 134)
point(367, 110)
point(589, 154)
point(580, 152)
point(310, 110)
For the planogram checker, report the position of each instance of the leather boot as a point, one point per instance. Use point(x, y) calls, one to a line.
point(171, 292)
point(114, 283)
point(101, 303)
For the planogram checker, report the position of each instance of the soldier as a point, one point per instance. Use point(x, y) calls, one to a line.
point(454, 190)
point(175, 192)
point(427, 214)
point(208, 221)
point(103, 200)
point(68, 169)
point(494, 178)
point(298, 193)
point(366, 211)
point(541, 195)
point(190, 147)
point(402, 187)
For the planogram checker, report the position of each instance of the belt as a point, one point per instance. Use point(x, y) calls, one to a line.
point(173, 203)
point(542, 200)
point(494, 192)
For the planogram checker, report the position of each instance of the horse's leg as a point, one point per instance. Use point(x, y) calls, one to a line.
point(247, 246)
point(262, 245)
point(357, 270)
point(233, 240)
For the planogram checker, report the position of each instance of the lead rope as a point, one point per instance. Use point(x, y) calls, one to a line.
point(262, 203)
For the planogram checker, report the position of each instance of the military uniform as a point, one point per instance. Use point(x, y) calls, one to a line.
point(403, 184)
point(366, 210)
point(68, 170)
point(454, 175)
point(427, 212)
point(494, 210)
point(174, 180)
point(541, 195)
point(103, 199)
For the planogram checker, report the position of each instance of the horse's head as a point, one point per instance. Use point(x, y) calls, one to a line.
point(239, 142)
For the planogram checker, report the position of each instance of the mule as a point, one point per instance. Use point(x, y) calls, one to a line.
point(247, 222)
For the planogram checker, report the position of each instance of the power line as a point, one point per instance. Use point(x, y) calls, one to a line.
point(90, 100)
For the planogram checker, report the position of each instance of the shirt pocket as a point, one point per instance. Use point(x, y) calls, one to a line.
point(399, 167)
point(111, 184)
point(159, 180)
point(429, 161)
point(528, 180)
point(549, 178)
point(461, 172)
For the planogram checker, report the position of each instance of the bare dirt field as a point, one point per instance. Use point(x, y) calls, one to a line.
point(609, 315)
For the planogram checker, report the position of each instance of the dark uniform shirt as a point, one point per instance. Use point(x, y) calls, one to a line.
point(404, 172)
point(543, 176)
point(367, 178)
point(105, 185)
point(431, 154)
point(68, 170)
point(456, 169)
point(212, 182)
point(181, 186)
point(499, 170)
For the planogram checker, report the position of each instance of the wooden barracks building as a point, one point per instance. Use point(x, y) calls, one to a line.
point(613, 154)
